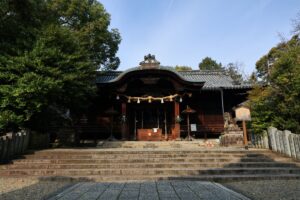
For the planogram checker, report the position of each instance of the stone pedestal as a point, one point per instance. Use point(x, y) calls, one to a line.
point(232, 135)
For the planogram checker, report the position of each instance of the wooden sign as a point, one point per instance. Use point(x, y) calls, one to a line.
point(242, 114)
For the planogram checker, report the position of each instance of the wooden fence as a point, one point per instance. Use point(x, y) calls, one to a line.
point(283, 142)
point(13, 144)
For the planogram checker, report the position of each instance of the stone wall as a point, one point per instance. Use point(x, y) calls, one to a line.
point(13, 144)
point(283, 142)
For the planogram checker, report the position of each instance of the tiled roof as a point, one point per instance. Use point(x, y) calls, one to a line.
point(213, 79)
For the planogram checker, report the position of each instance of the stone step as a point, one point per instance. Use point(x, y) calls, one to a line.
point(217, 178)
point(152, 171)
point(146, 165)
point(150, 160)
point(116, 156)
point(146, 152)
point(153, 164)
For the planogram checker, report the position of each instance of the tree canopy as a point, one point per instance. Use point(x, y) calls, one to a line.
point(275, 101)
point(182, 68)
point(209, 64)
point(233, 70)
point(49, 54)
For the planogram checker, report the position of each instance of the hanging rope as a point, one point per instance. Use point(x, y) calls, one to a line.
point(150, 98)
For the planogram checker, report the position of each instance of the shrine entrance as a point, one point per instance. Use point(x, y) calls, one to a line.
point(150, 121)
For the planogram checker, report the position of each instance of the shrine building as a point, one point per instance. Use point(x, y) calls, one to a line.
point(152, 102)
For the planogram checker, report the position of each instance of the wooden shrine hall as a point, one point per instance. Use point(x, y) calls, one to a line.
point(155, 103)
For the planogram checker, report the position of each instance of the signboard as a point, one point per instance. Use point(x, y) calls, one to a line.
point(242, 114)
point(193, 127)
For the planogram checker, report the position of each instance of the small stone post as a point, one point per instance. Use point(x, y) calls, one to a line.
point(292, 145)
point(277, 141)
point(287, 148)
point(297, 145)
point(265, 140)
point(271, 132)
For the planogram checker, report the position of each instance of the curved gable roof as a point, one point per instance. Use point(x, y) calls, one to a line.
point(212, 79)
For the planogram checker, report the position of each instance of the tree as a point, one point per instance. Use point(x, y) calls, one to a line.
point(233, 71)
point(209, 64)
point(89, 21)
point(182, 68)
point(49, 54)
point(252, 79)
point(277, 103)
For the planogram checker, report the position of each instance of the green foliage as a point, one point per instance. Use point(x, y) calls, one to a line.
point(182, 68)
point(233, 71)
point(277, 102)
point(49, 54)
point(209, 64)
point(89, 21)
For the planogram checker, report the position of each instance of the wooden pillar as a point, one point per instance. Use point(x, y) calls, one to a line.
point(222, 101)
point(124, 127)
point(245, 134)
point(176, 133)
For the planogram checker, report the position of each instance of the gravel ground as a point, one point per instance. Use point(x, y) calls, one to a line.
point(267, 189)
point(29, 189)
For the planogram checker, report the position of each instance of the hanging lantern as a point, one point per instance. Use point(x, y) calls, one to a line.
point(117, 97)
point(129, 100)
point(149, 100)
point(162, 100)
point(138, 101)
point(180, 99)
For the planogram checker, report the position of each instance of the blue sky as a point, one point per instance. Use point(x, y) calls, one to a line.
point(183, 32)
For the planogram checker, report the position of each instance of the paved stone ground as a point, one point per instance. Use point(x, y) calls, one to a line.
point(148, 190)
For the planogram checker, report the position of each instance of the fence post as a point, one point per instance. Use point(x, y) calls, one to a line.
point(277, 141)
point(26, 142)
point(292, 145)
point(287, 148)
point(271, 133)
point(265, 140)
point(280, 139)
point(23, 141)
point(297, 145)
point(1, 148)
point(17, 144)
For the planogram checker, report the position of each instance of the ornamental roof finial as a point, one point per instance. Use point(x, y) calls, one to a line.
point(149, 62)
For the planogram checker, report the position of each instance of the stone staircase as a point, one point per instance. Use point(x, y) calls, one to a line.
point(124, 164)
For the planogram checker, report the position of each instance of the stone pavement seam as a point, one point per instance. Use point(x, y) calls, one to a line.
point(121, 191)
point(81, 195)
point(61, 194)
point(139, 191)
point(157, 190)
point(193, 190)
point(175, 190)
point(240, 196)
point(103, 191)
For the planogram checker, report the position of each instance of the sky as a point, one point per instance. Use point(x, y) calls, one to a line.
point(183, 32)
